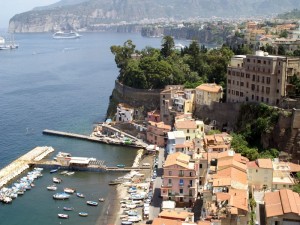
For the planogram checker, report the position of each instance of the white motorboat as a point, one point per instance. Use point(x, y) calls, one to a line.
point(63, 216)
point(69, 190)
point(52, 187)
point(57, 180)
point(61, 196)
point(66, 35)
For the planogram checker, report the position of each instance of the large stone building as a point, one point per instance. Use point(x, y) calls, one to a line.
point(261, 78)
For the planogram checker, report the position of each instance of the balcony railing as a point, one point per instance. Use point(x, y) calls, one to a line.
point(181, 184)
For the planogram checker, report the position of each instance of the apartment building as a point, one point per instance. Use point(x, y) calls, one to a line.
point(260, 78)
point(191, 128)
point(124, 113)
point(157, 133)
point(208, 93)
point(180, 180)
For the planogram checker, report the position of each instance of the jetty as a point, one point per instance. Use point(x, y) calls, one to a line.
point(21, 164)
point(105, 140)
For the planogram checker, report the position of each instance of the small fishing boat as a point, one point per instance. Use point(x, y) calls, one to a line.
point(68, 208)
point(53, 171)
point(57, 180)
point(92, 203)
point(115, 182)
point(126, 223)
point(101, 199)
point(63, 216)
point(52, 187)
point(64, 172)
point(120, 165)
point(69, 190)
point(83, 214)
point(61, 196)
point(80, 195)
point(70, 173)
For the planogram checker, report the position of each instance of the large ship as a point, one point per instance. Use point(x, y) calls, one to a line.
point(66, 35)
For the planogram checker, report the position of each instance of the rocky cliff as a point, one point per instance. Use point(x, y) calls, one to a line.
point(96, 14)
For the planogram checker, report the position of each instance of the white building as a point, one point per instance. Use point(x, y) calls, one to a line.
point(124, 113)
point(174, 138)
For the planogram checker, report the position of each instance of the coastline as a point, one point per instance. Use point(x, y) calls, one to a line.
point(112, 210)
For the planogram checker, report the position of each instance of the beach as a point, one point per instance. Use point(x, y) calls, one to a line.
point(112, 209)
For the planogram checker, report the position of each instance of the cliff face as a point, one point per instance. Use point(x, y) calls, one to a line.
point(96, 14)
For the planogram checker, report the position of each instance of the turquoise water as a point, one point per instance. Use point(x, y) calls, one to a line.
point(62, 85)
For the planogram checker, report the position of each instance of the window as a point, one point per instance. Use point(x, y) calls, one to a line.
point(229, 72)
point(242, 84)
point(241, 94)
point(181, 182)
point(237, 83)
point(237, 93)
point(253, 77)
point(247, 85)
point(170, 181)
point(188, 131)
point(262, 89)
point(262, 99)
point(256, 98)
point(200, 166)
point(253, 87)
point(258, 61)
point(170, 173)
point(233, 82)
point(252, 97)
point(181, 191)
point(181, 173)
point(257, 78)
point(191, 174)
point(278, 71)
point(229, 81)
point(267, 90)
point(264, 61)
point(248, 60)
point(268, 80)
point(247, 75)
point(278, 81)
point(263, 79)
point(242, 74)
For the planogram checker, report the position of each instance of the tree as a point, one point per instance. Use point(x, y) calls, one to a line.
point(281, 50)
point(168, 45)
point(283, 34)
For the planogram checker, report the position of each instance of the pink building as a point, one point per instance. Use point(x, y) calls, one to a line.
point(180, 181)
point(154, 116)
point(157, 133)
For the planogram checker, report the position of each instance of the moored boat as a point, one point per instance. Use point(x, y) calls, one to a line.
point(92, 203)
point(61, 196)
point(69, 190)
point(57, 180)
point(63, 216)
point(120, 165)
point(52, 187)
point(54, 170)
point(66, 35)
point(80, 195)
point(68, 208)
point(126, 223)
point(101, 199)
point(115, 182)
point(83, 214)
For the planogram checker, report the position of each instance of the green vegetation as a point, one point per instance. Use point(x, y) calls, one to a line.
point(155, 68)
point(296, 187)
point(296, 82)
point(254, 121)
point(294, 14)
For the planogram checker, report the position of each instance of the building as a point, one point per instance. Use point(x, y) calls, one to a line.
point(180, 181)
point(260, 174)
point(177, 215)
point(260, 78)
point(157, 133)
point(191, 128)
point(175, 138)
point(154, 116)
point(282, 207)
point(217, 142)
point(124, 113)
point(282, 178)
point(208, 93)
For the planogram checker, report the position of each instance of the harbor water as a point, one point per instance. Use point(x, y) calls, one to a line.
point(61, 85)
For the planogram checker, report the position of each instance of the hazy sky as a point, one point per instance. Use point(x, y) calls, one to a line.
point(8, 8)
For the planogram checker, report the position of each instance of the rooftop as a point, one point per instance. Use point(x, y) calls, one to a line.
point(181, 215)
point(265, 163)
point(179, 159)
point(185, 124)
point(210, 88)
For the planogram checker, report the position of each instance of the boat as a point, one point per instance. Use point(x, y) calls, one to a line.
point(8, 46)
point(132, 213)
point(115, 182)
point(66, 35)
point(101, 199)
point(69, 190)
point(83, 214)
point(61, 196)
point(120, 165)
point(70, 173)
point(68, 208)
point(92, 203)
point(64, 172)
point(63, 216)
point(57, 180)
point(54, 170)
point(126, 223)
point(52, 187)
point(80, 195)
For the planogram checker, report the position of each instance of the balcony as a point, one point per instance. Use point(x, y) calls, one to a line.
point(181, 175)
point(181, 184)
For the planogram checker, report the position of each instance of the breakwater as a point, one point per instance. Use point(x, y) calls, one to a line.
point(104, 140)
point(21, 164)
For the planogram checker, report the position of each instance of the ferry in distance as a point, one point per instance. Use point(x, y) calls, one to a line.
point(66, 35)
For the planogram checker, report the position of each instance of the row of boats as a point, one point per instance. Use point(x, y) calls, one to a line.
point(7, 194)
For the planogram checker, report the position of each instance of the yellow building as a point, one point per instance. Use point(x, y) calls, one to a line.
point(191, 128)
point(208, 93)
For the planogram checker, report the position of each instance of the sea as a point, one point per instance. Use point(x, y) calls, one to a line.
point(61, 85)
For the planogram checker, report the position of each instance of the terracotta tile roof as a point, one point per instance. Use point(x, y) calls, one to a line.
point(265, 163)
point(210, 88)
point(179, 159)
point(222, 196)
point(226, 162)
point(160, 125)
point(204, 223)
point(294, 167)
point(239, 199)
point(282, 202)
point(221, 182)
point(161, 221)
point(252, 164)
point(234, 174)
point(185, 124)
point(172, 214)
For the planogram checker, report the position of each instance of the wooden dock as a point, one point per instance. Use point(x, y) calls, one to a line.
point(103, 140)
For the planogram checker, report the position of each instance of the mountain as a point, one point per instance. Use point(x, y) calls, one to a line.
point(95, 14)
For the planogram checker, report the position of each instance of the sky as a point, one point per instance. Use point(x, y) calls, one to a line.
point(8, 8)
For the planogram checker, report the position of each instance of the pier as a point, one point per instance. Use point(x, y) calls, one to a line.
point(105, 140)
point(21, 164)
